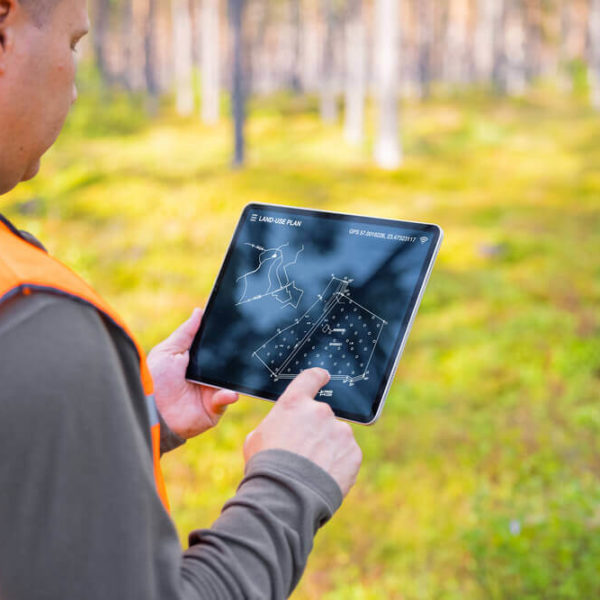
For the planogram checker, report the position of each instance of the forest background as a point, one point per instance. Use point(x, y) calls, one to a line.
point(482, 478)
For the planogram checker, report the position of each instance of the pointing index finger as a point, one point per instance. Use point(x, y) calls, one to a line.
point(309, 382)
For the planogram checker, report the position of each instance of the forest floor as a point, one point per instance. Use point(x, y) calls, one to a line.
point(482, 477)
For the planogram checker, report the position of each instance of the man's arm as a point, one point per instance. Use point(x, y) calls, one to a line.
point(79, 513)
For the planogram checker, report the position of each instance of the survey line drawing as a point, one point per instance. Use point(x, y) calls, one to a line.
point(270, 278)
point(336, 333)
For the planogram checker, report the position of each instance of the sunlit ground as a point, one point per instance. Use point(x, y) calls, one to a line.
point(482, 478)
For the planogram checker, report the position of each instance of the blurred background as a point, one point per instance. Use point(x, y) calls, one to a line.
point(482, 477)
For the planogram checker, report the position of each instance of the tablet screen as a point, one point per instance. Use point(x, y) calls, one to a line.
point(300, 289)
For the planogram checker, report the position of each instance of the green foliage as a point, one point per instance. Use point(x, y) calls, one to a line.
point(105, 111)
point(537, 546)
point(481, 480)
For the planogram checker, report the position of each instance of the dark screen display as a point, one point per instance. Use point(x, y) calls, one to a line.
point(301, 289)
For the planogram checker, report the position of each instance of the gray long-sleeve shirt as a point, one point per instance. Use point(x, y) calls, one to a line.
point(80, 518)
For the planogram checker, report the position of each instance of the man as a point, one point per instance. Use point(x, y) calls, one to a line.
point(83, 514)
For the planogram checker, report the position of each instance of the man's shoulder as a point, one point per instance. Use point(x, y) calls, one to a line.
point(60, 330)
point(59, 312)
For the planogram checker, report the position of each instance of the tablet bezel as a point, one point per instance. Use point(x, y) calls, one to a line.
point(399, 344)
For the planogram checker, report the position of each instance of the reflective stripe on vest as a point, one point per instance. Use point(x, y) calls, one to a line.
point(25, 268)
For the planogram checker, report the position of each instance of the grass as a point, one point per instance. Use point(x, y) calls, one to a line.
point(482, 478)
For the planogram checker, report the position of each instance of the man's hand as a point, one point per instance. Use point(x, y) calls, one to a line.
point(300, 424)
point(187, 408)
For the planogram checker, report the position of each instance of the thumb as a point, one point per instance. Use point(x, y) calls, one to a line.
point(181, 339)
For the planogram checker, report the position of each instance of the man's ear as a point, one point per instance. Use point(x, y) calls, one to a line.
point(7, 10)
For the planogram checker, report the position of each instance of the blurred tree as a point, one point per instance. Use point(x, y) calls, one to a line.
point(457, 55)
point(150, 62)
point(210, 46)
point(182, 56)
point(515, 38)
point(238, 92)
point(425, 40)
point(563, 51)
point(533, 26)
point(133, 44)
point(484, 46)
point(126, 33)
point(388, 154)
point(295, 80)
point(594, 53)
point(100, 41)
point(355, 75)
point(328, 66)
point(499, 47)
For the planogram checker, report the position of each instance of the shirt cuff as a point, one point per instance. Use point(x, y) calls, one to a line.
point(169, 440)
point(300, 469)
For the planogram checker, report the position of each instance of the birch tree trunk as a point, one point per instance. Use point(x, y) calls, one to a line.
point(150, 62)
point(182, 56)
point(101, 21)
point(594, 53)
point(499, 63)
point(425, 26)
point(456, 57)
point(135, 30)
point(209, 56)
point(485, 30)
point(356, 51)
point(311, 55)
point(388, 154)
point(127, 33)
point(328, 99)
point(516, 80)
point(296, 32)
point(236, 9)
point(564, 79)
point(532, 33)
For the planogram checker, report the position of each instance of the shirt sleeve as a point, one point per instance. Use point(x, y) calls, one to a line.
point(169, 440)
point(79, 512)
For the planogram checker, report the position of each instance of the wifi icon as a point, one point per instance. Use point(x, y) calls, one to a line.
point(423, 239)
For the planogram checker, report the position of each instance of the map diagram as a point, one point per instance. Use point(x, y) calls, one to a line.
point(336, 333)
point(270, 278)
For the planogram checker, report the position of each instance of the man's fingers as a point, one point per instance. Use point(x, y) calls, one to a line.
point(217, 400)
point(222, 399)
point(309, 382)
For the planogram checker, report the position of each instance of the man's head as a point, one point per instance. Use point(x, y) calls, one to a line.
point(37, 73)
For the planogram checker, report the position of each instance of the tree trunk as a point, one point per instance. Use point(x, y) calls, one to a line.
point(594, 53)
point(533, 34)
point(296, 24)
point(236, 9)
point(101, 22)
point(182, 57)
point(515, 81)
point(150, 63)
point(456, 56)
point(356, 51)
point(388, 154)
point(209, 36)
point(134, 30)
point(485, 32)
point(127, 32)
point(425, 23)
point(564, 59)
point(499, 63)
point(328, 99)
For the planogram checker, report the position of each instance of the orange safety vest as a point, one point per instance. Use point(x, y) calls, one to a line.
point(25, 268)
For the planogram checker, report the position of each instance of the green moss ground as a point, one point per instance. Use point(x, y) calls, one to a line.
point(482, 478)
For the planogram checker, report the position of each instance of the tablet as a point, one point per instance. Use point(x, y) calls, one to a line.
point(302, 288)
